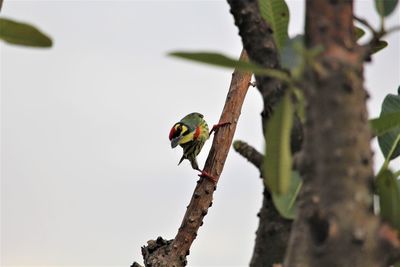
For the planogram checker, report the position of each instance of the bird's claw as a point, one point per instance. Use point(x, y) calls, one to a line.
point(217, 126)
point(204, 174)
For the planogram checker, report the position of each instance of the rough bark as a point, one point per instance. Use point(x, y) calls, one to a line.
point(272, 235)
point(162, 253)
point(273, 231)
point(335, 225)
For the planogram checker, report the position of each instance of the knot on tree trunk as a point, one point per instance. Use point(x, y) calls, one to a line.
point(157, 253)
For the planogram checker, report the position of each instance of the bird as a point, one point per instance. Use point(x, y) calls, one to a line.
point(191, 132)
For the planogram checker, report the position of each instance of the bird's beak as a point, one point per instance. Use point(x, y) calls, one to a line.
point(175, 141)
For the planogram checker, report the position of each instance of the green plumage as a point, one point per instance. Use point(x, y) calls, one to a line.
point(193, 138)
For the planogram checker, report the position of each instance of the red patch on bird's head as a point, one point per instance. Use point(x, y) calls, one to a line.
point(172, 132)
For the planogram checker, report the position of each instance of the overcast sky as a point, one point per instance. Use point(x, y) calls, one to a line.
point(87, 172)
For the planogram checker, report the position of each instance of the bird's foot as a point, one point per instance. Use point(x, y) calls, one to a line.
point(217, 126)
point(204, 174)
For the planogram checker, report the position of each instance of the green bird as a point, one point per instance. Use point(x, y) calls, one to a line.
point(190, 133)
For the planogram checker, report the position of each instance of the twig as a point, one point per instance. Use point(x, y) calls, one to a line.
point(376, 37)
point(249, 152)
point(366, 24)
point(393, 29)
point(174, 253)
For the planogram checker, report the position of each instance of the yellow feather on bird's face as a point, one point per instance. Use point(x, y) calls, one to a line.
point(190, 133)
point(180, 134)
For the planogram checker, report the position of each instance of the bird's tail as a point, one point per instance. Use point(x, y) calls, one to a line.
point(192, 160)
point(183, 157)
point(194, 164)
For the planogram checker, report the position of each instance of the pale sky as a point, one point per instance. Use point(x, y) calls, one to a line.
point(87, 172)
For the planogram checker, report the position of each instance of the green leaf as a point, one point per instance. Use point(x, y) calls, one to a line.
point(278, 160)
point(389, 197)
point(398, 184)
point(385, 7)
point(19, 33)
point(300, 104)
point(379, 46)
point(285, 203)
point(217, 59)
point(385, 123)
point(391, 104)
point(221, 60)
point(276, 13)
point(392, 149)
point(359, 32)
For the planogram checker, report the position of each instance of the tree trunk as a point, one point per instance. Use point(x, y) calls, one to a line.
point(335, 225)
point(273, 230)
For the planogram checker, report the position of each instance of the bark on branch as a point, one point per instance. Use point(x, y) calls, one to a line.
point(249, 152)
point(161, 253)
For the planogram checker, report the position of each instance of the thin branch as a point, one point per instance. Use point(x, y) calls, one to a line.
point(393, 29)
point(175, 252)
point(378, 34)
point(366, 24)
point(249, 152)
point(368, 48)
